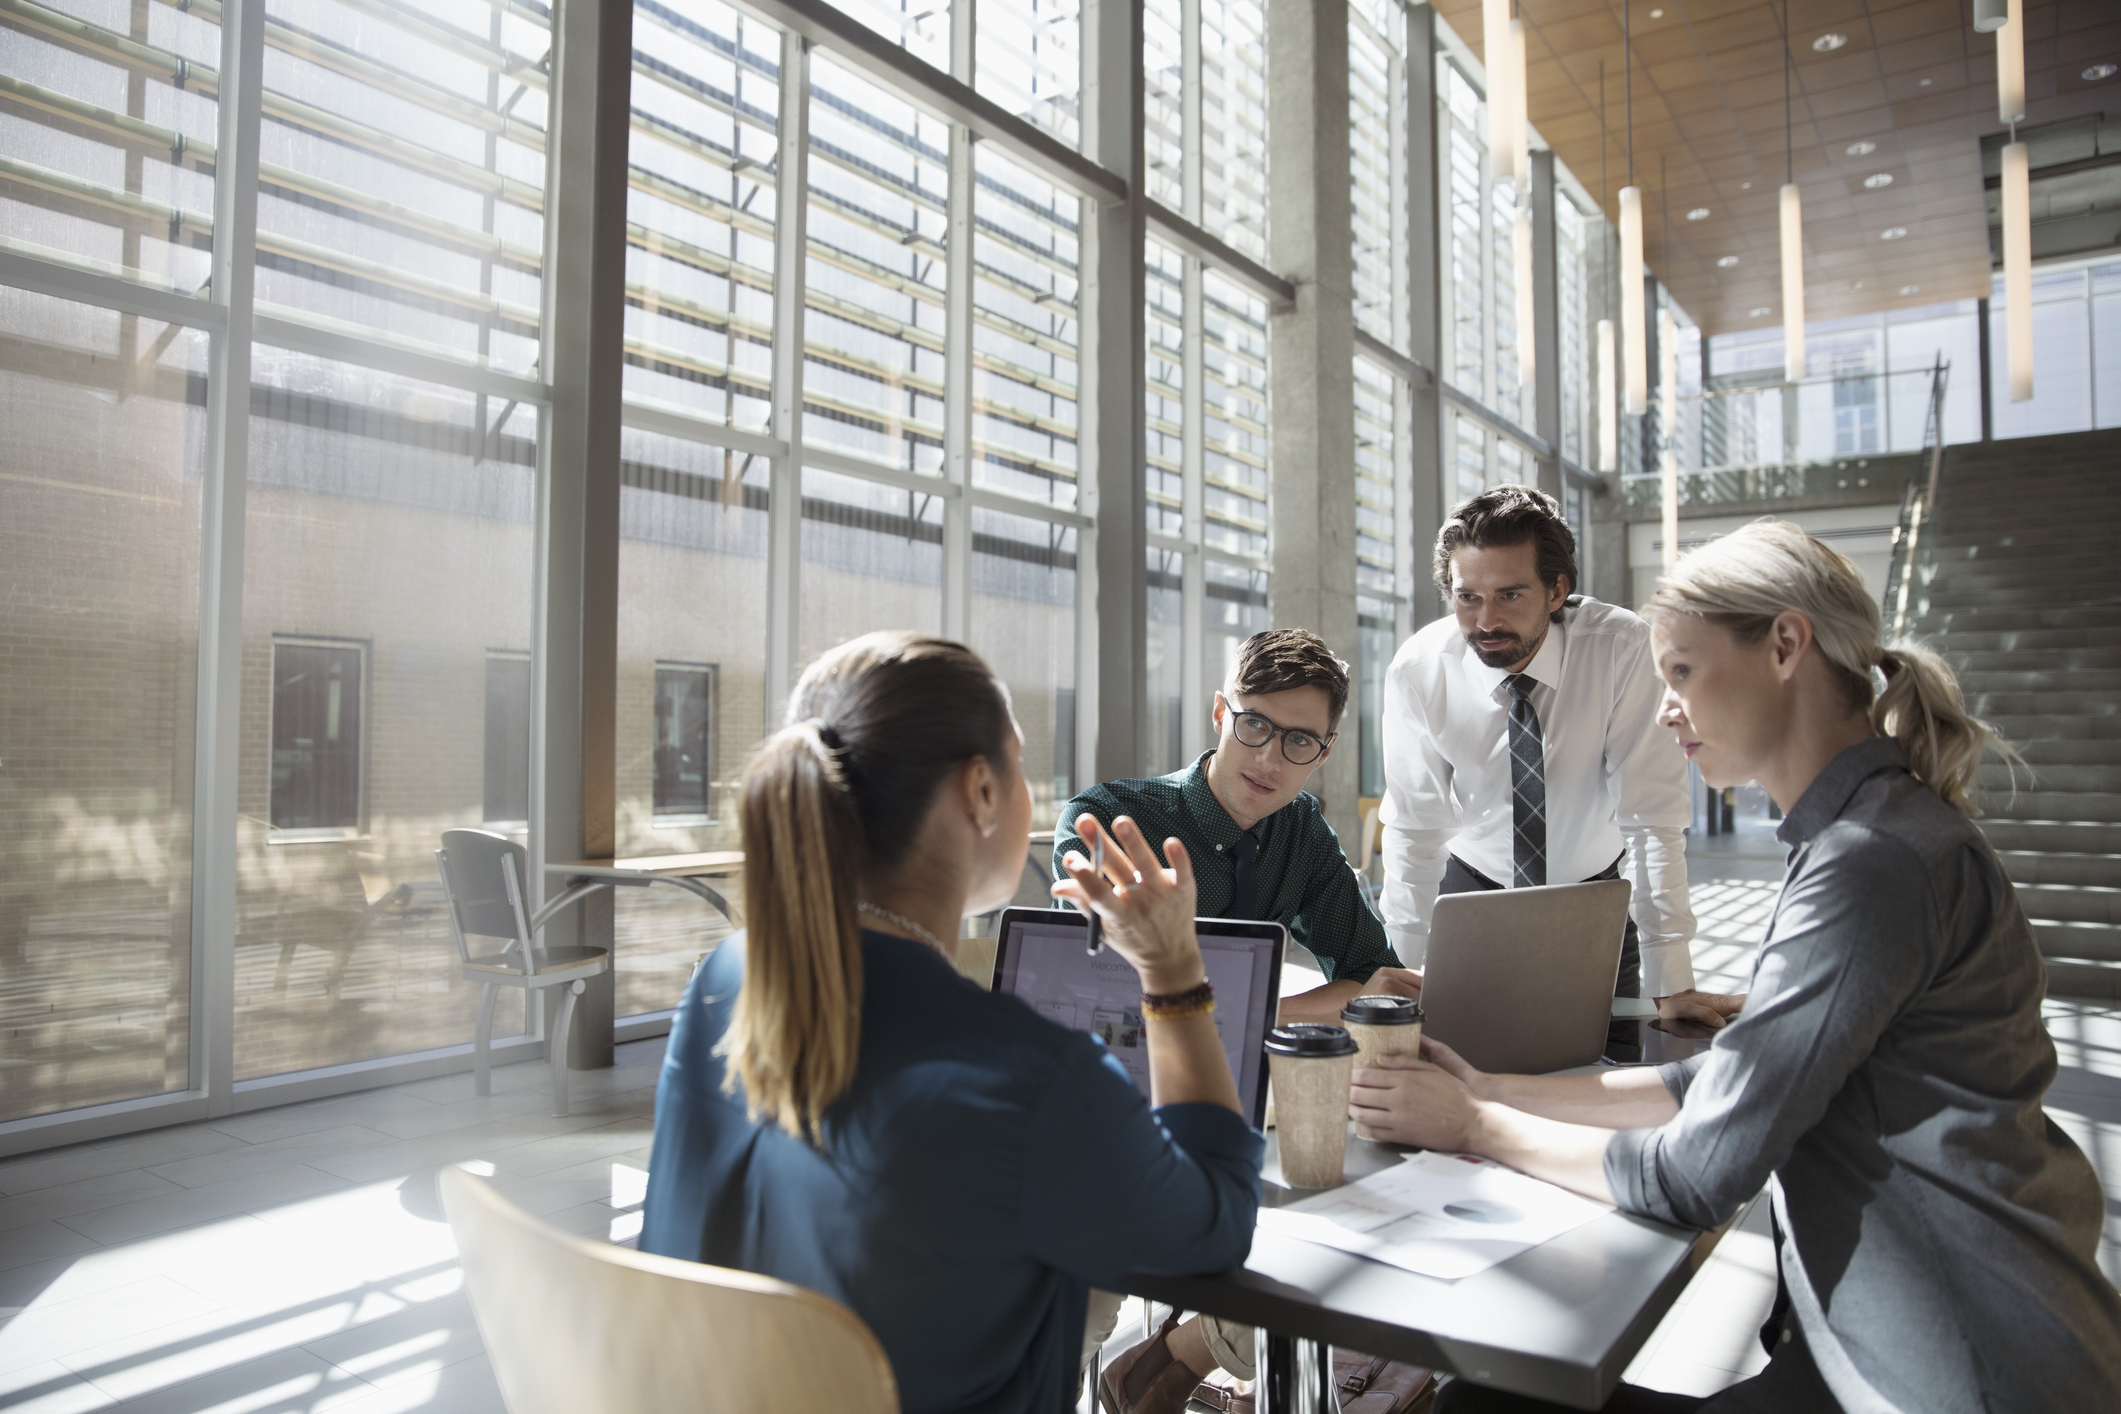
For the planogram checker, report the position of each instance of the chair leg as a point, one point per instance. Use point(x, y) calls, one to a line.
point(560, 1026)
point(482, 1048)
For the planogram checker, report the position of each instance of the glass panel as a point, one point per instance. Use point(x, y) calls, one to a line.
point(1507, 392)
point(1023, 623)
point(1373, 656)
point(872, 558)
point(1236, 609)
point(879, 181)
point(1571, 231)
point(1373, 81)
point(919, 26)
point(389, 531)
point(401, 174)
point(2106, 347)
point(99, 527)
point(1025, 329)
point(1233, 121)
point(1166, 392)
point(1466, 358)
point(106, 152)
point(1029, 60)
point(2062, 375)
point(692, 533)
point(1952, 333)
point(1166, 645)
point(1234, 427)
point(1163, 110)
point(700, 207)
point(1471, 447)
point(507, 740)
point(1376, 480)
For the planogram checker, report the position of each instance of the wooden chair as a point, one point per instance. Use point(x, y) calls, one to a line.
point(486, 877)
point(574, 1326)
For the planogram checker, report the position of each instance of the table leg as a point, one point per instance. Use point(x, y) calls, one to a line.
point(1293, 1376)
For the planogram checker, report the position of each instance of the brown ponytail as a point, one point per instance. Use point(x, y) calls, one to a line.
point(1922, 709)
point(874, 727)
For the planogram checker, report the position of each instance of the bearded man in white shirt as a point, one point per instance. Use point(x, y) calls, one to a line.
point(1521, 748)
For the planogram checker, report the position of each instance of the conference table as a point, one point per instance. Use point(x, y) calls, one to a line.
point(1560, 1321)
point(593, 1035)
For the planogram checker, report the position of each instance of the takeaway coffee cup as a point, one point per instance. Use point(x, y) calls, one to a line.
point(1311, 1063)
point(1382, 1026)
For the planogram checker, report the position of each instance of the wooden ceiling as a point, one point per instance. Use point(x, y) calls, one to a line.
point(1912, 79)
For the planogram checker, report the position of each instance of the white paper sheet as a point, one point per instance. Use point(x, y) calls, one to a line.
point(1442, 1215)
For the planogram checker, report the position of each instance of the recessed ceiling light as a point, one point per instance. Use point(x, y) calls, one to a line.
point(1926, 83)
point(1892, 233)
point(1878, 179)
point(1827, 43)
point(2100, 71)
point(1855, 284)
point(1725, 262)
point(1699, 213)
point(1911, 289)
point(1745, 186)
point(1759, 313)
point(1656, 14)
point(1862, 149)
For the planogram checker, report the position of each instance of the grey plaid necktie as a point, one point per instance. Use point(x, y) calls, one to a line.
point(1528, 786)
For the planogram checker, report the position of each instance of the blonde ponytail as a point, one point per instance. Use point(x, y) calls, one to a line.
point(1743, 580)
point(1922, 709)
point(798, 1024)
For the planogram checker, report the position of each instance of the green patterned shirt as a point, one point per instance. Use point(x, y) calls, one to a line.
point(1305, 881)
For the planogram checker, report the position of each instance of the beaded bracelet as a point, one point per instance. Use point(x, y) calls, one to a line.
point(1168, 1007)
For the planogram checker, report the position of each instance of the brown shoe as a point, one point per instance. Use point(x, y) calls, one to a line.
point(1147, 1379)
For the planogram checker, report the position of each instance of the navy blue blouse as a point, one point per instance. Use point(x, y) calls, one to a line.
point(984, 1171)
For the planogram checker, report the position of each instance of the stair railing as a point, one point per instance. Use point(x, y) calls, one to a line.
point(1918, 501)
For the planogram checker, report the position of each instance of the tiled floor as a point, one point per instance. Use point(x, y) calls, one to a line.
point(296, 1259)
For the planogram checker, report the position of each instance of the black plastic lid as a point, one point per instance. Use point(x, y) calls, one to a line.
point(1310, 1038)
point(1381, 1010)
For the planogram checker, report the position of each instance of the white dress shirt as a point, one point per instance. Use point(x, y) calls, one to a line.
point(1614, 778)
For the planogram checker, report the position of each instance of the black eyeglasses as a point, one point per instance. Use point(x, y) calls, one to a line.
point(1299, 746)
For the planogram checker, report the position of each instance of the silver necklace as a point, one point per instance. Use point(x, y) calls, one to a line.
point(904, 922)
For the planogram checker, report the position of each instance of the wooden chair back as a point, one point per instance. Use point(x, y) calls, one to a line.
point(580, 1327)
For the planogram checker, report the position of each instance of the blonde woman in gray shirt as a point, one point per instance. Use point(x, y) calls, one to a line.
point(1936, 1230)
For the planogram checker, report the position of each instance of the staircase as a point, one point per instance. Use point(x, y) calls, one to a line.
point(2023, 594)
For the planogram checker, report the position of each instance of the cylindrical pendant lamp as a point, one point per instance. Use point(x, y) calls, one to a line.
point(2010, 66)
point(1608, 414)
point(1792, 283)
point(1527, 353)
point(1990, 15)
point(2018, 269)
point(1634, 333)
point(1497, 50)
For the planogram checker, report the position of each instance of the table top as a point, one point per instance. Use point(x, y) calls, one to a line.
point(654, 866)
point(1560, 1321)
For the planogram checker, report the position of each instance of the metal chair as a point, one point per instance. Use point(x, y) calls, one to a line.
point(575, 1326)
point(484, 876)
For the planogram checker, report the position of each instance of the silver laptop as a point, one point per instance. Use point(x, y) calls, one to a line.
point(1040, 958)
point(1520, 981)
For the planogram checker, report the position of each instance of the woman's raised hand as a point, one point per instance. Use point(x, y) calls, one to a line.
point(1147, 909)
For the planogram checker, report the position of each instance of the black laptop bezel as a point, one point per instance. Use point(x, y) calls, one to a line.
point(1213, 927)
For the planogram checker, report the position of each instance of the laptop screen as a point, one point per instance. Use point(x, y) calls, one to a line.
point(1041, 958)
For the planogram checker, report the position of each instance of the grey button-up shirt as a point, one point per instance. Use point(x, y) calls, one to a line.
point(1938, 1230)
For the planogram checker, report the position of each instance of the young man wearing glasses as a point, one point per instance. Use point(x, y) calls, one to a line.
point(1261, 849)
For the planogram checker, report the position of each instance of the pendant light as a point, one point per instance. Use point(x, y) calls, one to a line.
point(2017, 203)
point(1990, 15)
point(1634, 334)
point(1496, 46)
point(1527, 350)
point(1608, 412)
point(1792, 234)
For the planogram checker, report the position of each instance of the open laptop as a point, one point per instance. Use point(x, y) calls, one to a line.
point(1520, 981)
point(1041, 958)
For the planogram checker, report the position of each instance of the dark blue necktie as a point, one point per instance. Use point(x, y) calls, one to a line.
point(1244, 882)
point(1528, 786)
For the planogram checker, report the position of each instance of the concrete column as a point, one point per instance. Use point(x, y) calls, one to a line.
point(1311, 350)
point(575, 701)
point(1426, 498)
point(1112, 672)
point(1605, 559)
point(1546, 322)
